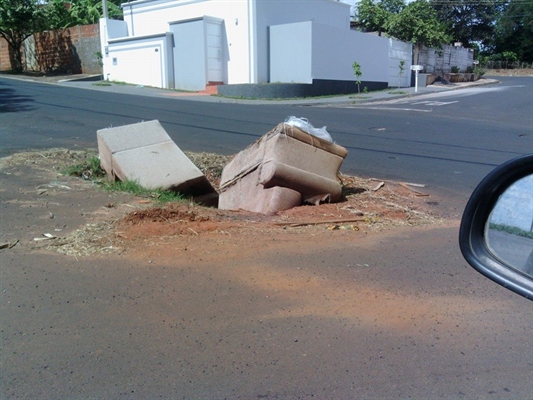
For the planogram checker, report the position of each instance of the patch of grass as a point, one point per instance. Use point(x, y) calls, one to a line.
point(183, 91)
point(88, 169)
point(168, 196)
point(273, 99)
point(397, 92)
point(358, 96)
point(86, 165)
point(109, 83)
point(512, 230)
point(160, 195)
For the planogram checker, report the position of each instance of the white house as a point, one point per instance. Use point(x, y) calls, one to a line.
point(188, 44)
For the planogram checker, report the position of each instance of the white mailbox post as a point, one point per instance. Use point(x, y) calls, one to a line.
point(417, 69)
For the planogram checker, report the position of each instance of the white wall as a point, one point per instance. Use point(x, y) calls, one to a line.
point(328, 53)
point(110, 29)
point(399, 51)
point(246, 29)
point(461, 58)
point(291, 53)
point(278, 12)
point(246, 25)
point(151, 17)
point(335, 50)
point(115, 28)
point(189, 55)
point(142, 60)
point(441, 60)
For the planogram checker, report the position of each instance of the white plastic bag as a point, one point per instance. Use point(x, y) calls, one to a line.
point(304, 125)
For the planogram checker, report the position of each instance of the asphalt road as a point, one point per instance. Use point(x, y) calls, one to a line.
point(448, 141)
point(384, 316)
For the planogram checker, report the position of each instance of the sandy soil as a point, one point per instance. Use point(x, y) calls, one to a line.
point(509, 72)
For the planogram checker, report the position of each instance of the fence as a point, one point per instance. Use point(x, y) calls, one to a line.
point(441, 61)
point(506, 64)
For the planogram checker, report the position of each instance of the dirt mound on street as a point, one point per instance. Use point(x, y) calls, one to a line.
point(116, 223)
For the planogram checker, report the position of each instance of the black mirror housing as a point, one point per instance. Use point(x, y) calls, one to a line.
point(472, 232)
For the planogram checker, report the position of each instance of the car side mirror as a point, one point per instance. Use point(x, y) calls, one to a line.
point(496, 233)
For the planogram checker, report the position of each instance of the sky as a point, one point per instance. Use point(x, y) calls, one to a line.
point(515, 206)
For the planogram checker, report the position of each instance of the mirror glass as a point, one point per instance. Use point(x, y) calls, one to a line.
point(509, 231)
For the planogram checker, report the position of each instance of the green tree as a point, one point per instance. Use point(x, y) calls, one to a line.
point(61, 15)
point(418, 23)
point(57, 14)
point(469, 21)
point(401, 69)
point(514, 30)
point(19, 19)
point(373, 15)
point(358, 73)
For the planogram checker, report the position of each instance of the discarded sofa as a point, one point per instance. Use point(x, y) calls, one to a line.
point(144, 153)
point(281, 170)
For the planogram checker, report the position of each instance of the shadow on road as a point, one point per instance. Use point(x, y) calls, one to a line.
point(9, 102)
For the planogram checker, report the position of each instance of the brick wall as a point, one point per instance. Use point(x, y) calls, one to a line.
point(73, 50)
point(5, 63)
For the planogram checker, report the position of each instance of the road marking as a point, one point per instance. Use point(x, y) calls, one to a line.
point(435, 103)
point(437, 96)
point(390, 108)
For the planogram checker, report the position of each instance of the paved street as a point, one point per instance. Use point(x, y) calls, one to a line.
point(378, 315)
point(446, 139)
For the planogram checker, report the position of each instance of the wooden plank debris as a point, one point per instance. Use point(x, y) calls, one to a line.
point(379, 186)
point(329, 221)
point(417, 192)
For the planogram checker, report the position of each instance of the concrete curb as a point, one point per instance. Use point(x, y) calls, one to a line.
point(87, 82)
point(88, 78)
point(436, 89)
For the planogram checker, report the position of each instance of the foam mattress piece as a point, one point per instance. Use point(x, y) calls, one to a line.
point(291, 146)
point(116, 139)
point(286, 158)
point(245, 194)
point(308, 184)
point(145, 153)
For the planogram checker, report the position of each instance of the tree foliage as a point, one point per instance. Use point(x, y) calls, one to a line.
point(57, 14)
point(514, 30)
point(418, 23)
point(19, 19)
point(63, 15)
point(84, 12)
point(469, 22)
point(373, 15)
point(358, 73)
